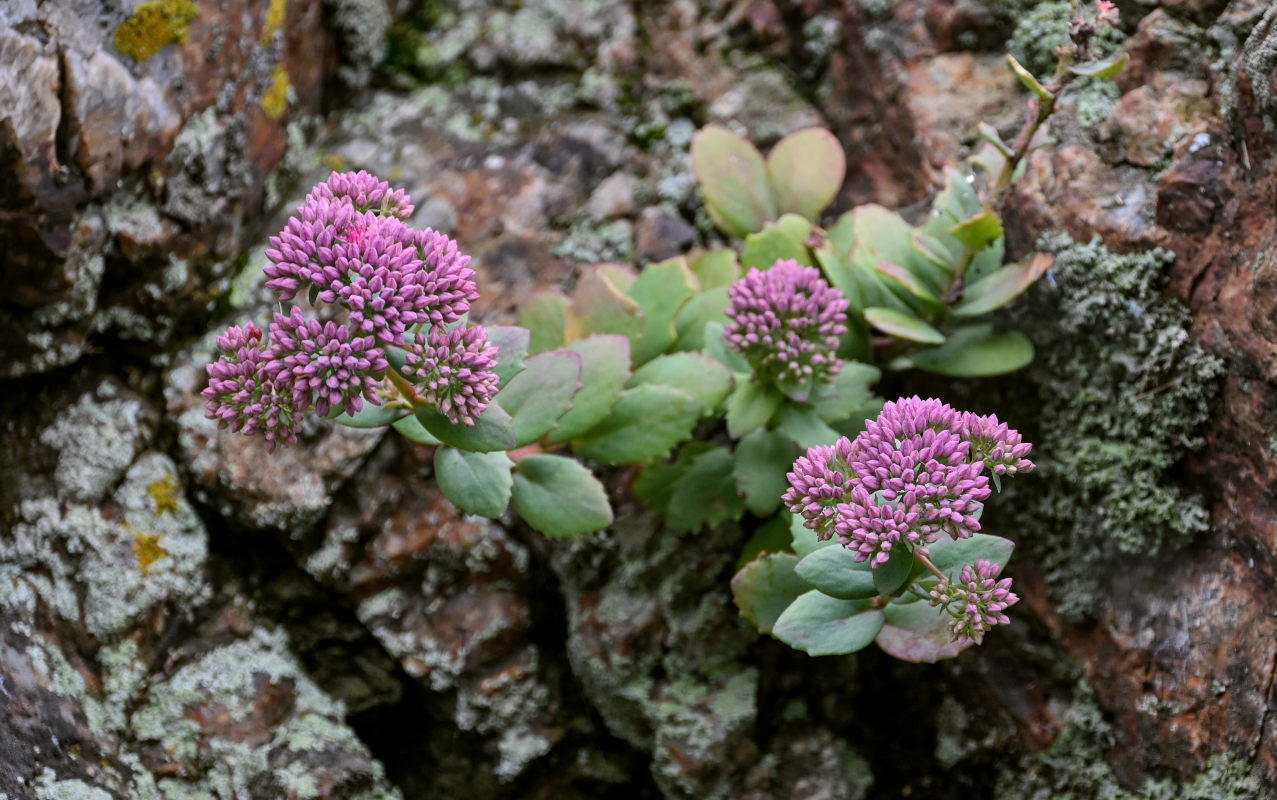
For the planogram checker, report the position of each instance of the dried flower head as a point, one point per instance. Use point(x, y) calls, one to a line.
point(245, 394)
point(977, 602)
point(787, 322)
point(454, 370)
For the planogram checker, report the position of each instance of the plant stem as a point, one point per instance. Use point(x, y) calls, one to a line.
point(926, 562)
point(404, 386)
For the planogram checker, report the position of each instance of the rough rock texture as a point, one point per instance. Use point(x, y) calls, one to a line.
point(190, 618)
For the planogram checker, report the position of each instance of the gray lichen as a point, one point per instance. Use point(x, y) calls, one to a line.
point(1124, 390)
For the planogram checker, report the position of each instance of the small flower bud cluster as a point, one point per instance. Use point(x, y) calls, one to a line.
point(372, 282)
point(977, 601)
point(786, 322)
point(910, 476)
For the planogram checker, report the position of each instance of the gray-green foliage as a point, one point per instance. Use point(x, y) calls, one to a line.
point(1041, 28)
point(1074, 768)
point(1124, 390)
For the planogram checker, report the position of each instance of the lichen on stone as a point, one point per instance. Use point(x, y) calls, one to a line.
point(274, 100)
point(155, 25)
point(1044, 27)
point(1123, 391)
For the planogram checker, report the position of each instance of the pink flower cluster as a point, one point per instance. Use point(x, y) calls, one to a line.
point(787, 323)
point(977, 602)
point(914, 473)
point(368, 281)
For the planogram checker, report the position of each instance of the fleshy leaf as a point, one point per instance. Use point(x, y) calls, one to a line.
point(559, 497)
point(949, 555)
point(917, 632)
point(476, 483)
point(541, 393)
point(847, 393)
point(763, 249)
point(893, 577)
point(1104, 68)
point(717, 347)
point(802, 424)
point(906, 279)
point(841, 236)
point(765, 587)
point(600, 306)
point(835, 571)
point(821, 625)
point(661, 291)
point(990, 134)
point(734, 182)
point(977, 351)
point(979, 231)
point(512, 348)
point(644, 425)
point(996, 290)
point(493, 430)
point(762, 460)
point(371, 416)
point(411, 429)
point(716, 268)
point(903, 325)
point(705, 308)
point(545, 315)
point(605, 367)
point(701, 376)
point(883, 235)
point(749, 407)
point(804, 539)
point(771, 537)
point(1031, 83)
point(705, 493)
point(807, 169)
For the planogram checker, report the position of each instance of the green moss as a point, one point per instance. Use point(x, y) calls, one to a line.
point(1074, 768)
point(1121, 393)
point(153, 26)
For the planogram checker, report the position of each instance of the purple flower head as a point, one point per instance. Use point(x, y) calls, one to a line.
point(787, 322)
point(446, 279)
point(818, 484)
point(454, 370)
point(245, 394)
point(999, 447)
point(324, 364)
point(977, 602)
point(302, 255)
point(365, 192)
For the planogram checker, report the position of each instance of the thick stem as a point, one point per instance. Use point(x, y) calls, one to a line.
point(932, 568)
point(404, 386)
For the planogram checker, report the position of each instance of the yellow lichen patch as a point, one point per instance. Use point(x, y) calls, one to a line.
point(164, 494)
point(275, 100)
point(274, 18)
point(146, 546)
point(154, 25)
point(334, 162)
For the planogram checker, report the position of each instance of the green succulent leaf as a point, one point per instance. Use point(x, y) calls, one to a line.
point(949, 555)
point(541, 393)
point(476, 483)
point(605, 367)
point(545, 315)
point(801, 423)
point(716, 268)
point(893, 577)
point(600, 305)
point(907, 280)
point(834, 571)
point(977, 351)
point(847, 393)
point(644, 425)
point(765, 587)
point(1104, 68)
point(1001, 287)
point(807, 168)
point(411, 429)
point(493, 430)
point(734, 182)
point(1031, 83)
point(763, 249)
point(903, 325)
point(763, 458)
point(701, 376)
point(705, 308)
point(803, 539)
point(559, 497)
point(936, 251)
point(512, 348)
point(841, 236)
point(990, 134)
point(796, 227)
point(661, 292)
point(657, 481)
point(371, 416)
point(979, 231)
point(883, 235)
point(821, 625)
point(705, 494)
point(717, 347)
point(750, 407)
point(917, 632)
